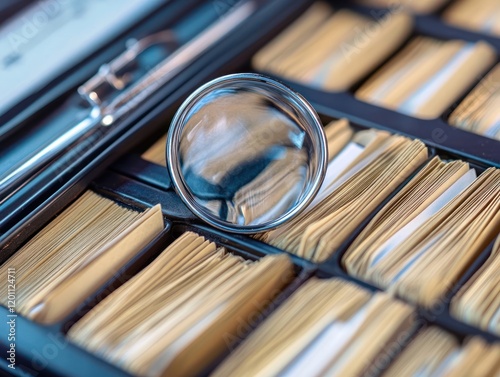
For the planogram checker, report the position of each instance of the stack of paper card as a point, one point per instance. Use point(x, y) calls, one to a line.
point(420, 6)
point(333, 50)
point(365, 171)
point(437, 353)
point(76, 253)
point(180, 313)
point(479, 112)
point(156, 153)
point(425, 354)
point(424, 239)
point(427, 76)
point(327, 327)
point(477, 15)
point(478, 301)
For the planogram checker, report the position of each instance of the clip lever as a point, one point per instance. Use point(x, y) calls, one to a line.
point(127, 68)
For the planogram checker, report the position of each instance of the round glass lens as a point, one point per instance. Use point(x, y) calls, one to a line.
point(246, 153)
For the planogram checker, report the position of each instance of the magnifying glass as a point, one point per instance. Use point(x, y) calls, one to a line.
point(246, 153)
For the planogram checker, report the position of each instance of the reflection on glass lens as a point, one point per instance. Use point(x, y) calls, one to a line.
point(247, 154)
point(243, 158)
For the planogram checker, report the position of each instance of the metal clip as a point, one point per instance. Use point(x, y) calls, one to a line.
point(122, 85)
point(127, 68)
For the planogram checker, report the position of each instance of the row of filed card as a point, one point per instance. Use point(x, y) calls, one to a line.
point(181, 307)
point(385, 64)
point(335, 328)
point(421, 241)
point(188, 305)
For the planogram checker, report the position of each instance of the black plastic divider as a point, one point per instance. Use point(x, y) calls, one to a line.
point(427, 24)
point(434, 26)
point(244, 243)
point(330, 273)
point(134, 166)
point(462, 330)
point(130, 191)
point(46, 352)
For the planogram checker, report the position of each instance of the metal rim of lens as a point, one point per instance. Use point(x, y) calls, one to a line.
point(173, 165)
